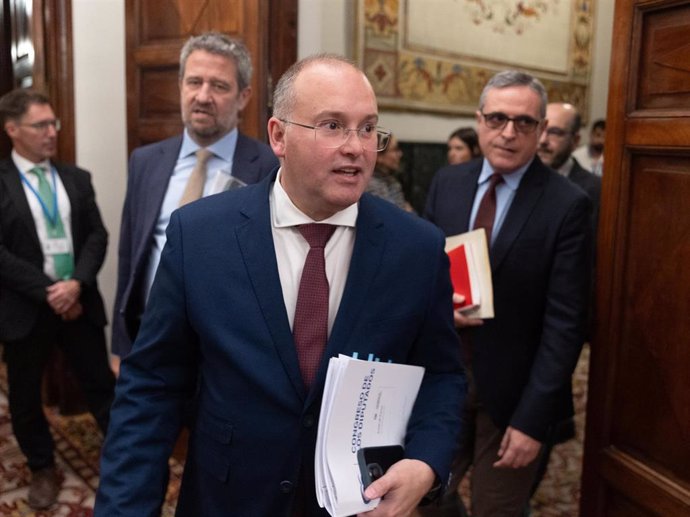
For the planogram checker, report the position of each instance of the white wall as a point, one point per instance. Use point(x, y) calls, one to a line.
point(100, 106)
point(323, 25)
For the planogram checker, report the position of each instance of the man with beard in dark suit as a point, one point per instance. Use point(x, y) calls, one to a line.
point(214, 81)
point(556, 147)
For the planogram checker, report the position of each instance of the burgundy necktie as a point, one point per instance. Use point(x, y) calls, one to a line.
point(310, 327)
point(487, 208)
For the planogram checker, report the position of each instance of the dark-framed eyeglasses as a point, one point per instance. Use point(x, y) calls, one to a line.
point(43, 125)
point(522, 123)
point(557, 132)
point(332, 134)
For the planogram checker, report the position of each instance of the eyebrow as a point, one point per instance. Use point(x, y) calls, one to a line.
point(340, 115)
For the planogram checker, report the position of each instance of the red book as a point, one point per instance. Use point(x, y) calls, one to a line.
point(470, 273)
point(460, 275)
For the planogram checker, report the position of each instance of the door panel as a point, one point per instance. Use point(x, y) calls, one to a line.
point(637, 448)
point(156, 31)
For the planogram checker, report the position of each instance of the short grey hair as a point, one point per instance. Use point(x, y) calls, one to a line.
point(509, 78)
point(284, 94)
point(221, 45)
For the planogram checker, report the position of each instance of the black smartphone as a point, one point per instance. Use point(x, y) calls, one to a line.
point(375, 461)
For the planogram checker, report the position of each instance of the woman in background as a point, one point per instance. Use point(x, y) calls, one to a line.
point(463, 145)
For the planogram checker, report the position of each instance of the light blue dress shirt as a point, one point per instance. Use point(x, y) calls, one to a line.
point(505, 193)
point(219, 170)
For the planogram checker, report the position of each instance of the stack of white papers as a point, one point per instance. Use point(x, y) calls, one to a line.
point(365, 404)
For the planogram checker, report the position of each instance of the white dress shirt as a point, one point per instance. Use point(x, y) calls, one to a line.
point(64, 206)
point(291, 249)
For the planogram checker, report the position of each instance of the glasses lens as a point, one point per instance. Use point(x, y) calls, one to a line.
point(525, 124)
point(556, 131)
point(496, 120)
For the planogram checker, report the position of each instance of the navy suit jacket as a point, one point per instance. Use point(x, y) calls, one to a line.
point(523, 358)
point(150, 168)
point(216, 325)
point(22, 280)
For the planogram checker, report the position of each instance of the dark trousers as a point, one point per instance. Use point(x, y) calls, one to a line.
point(85, 351)
point(495, 492)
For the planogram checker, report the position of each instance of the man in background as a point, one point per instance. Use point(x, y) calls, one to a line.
point(520, 363)
point(591, 155)
point(256, 290)
point(556, 146)
point(52, 245)
point(210, 156)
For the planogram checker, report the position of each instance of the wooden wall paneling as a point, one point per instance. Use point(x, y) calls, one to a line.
point(637, 449)
point(58, 76)
point(6, 75)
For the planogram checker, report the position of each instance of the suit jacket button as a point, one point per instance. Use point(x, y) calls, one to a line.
point(286, 487)
point(308, 421)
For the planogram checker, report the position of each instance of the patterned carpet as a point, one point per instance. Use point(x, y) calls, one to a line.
point(78, 444)
point(78, 441)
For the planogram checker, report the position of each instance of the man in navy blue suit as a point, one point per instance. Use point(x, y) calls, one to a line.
point(220, 319)
point(540, 236)
point(215, 77)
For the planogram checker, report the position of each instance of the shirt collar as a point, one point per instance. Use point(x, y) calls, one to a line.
point(511, 179)
point(25, 165)
point(284, 213)
point(223, 148)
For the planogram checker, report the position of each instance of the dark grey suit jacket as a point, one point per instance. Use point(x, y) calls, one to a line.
point(22, 280)
point(150, 169)
point(523, 359)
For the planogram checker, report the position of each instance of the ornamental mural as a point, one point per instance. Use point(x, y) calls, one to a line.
point(437, 55)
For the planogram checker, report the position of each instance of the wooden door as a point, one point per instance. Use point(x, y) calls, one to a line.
point(36, 51)
point(156, 31)
point(637, 443)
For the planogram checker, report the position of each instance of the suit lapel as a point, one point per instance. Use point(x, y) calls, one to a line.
point(71, 190)
point(528, 193)
point(155, 186)
point(243, 161)
point(10, 176)
point(256, 245)
point(466, 193)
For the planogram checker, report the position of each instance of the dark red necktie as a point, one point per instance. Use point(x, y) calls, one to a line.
point(487, 208)
point(310, 327)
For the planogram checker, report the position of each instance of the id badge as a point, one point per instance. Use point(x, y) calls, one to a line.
point(56, 246)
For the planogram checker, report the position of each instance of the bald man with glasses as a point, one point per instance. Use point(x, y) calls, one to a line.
point(520, 363)
point(256, 290)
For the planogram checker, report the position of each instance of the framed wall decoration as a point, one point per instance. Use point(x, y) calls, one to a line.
point(437, 55)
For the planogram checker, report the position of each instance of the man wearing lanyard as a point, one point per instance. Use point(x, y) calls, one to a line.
point(52, 245)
